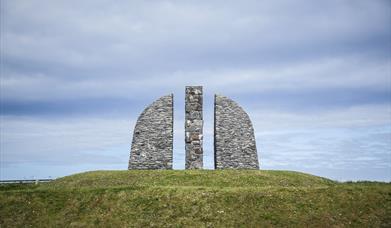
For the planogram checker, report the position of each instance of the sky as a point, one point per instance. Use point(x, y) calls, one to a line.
point(314, 77)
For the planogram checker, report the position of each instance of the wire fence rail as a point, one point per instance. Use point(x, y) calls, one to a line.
point(25, 181)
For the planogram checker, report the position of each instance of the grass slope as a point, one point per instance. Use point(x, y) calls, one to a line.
point(200, 198)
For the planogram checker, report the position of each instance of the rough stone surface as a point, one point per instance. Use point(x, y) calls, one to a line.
point(193, 127)
point(234, 141)
point(153, 136)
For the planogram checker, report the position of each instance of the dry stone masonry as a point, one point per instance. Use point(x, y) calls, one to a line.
point(153, 136)
point(193, 127)
point(234, 139)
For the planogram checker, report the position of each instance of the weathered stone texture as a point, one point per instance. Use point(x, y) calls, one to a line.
point(153, 136)
point(193, 127)
point(234, 139)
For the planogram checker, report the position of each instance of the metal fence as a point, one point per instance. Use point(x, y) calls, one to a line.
point(25, 181)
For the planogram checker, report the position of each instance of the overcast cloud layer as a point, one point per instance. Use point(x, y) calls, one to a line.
point(314, 76)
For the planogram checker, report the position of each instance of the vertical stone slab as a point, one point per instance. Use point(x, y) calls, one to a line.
point(152, 143)
point(193, 127)
point(234, 141)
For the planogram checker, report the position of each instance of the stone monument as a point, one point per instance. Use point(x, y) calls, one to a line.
point(152, 142)
point(193, 127)
point(234, 141)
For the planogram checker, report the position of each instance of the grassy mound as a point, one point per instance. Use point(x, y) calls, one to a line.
point(195, 178)
point(207, 198)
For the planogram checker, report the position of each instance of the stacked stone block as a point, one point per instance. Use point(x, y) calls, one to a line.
point(234, 139)
point(152, 142)
point(193, 127)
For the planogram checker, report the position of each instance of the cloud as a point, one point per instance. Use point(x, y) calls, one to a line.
point(169, 35)
point(356, 116)
point(77, 51)
point(339, 73)
point(62, 140)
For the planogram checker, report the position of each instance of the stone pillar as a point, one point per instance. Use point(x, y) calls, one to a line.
point(234, 141)
point(153, 136)
point(193, 127)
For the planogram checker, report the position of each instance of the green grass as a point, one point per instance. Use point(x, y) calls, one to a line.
point(201, 198)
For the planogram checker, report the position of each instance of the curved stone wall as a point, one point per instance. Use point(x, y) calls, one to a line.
point(234, 141)
point(152, 143)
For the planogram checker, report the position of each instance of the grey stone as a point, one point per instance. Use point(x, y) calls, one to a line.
point(152, 143)
point(194, 115)
point(193, 127)
point(234, 141)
